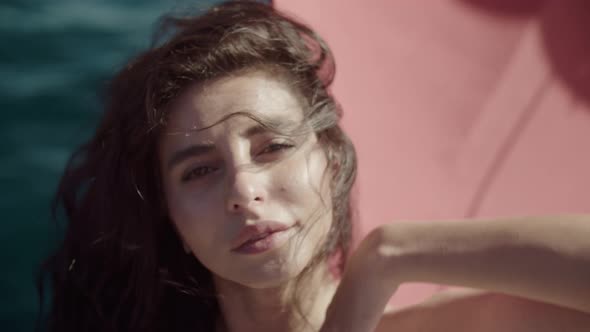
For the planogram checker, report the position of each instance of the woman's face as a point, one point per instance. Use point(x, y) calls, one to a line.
point(253, 206)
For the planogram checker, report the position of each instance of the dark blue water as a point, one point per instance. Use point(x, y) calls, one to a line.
point(55, 57)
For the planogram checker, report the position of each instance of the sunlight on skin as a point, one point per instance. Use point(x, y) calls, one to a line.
point(232, 180)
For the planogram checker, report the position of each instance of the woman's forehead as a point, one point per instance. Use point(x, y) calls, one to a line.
point(255, 93)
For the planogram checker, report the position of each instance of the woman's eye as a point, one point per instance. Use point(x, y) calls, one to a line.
point(274, 147)
point(197, 172)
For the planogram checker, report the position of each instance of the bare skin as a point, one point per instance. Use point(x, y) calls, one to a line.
point(530, 307)
point(472, 310)
point(233, 175)
point(538, 266)
point(271, 309)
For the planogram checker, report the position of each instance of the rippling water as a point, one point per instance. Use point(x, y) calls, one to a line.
point(54, 58)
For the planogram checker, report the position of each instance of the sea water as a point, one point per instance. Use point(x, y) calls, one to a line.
point(56, 57)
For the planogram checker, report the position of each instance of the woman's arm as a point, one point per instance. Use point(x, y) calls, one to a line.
point(541, 258)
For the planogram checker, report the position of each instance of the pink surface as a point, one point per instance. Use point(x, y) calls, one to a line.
point(461, 108)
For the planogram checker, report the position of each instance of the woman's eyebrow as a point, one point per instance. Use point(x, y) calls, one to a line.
point(254, 130)
point(275, 126)
point(201, 149)
point(188, 152)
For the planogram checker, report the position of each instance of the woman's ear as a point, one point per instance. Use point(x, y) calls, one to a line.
point(335, 166)
point(334, 162)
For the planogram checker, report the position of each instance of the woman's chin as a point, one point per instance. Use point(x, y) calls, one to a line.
point(271, 274)
point(266, 278)
point(272, 269)
point(266, 283)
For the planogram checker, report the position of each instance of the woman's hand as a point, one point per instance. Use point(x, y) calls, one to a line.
point(366, 286)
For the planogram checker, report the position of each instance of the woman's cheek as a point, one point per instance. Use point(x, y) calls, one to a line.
point(197, 221)
point(301, 178)
point(185, 205)
point(292, 177)
point(199, 206)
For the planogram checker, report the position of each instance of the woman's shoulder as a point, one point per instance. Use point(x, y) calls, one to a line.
point(437, 313)
point(472, 310)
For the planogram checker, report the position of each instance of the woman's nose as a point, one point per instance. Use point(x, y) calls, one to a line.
point(245, 191)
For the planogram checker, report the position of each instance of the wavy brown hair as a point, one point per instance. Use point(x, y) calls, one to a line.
point(121, 266)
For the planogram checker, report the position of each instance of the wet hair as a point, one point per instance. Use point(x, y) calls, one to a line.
point(121, 265)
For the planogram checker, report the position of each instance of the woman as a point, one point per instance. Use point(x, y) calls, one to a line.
point(215, 196)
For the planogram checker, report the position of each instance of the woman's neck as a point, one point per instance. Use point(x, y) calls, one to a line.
point(274, 309)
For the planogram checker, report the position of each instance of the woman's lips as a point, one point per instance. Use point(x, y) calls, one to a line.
point(260, 237)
